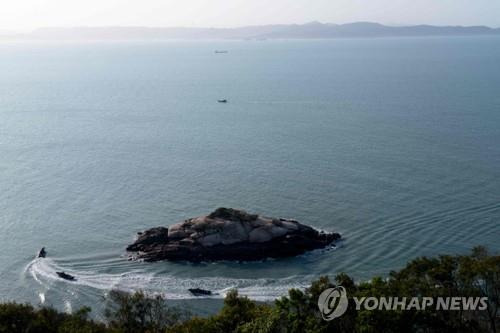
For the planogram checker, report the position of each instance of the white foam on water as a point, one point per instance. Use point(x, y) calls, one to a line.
point(43, 270)
point(42, 298)
point(67, 307)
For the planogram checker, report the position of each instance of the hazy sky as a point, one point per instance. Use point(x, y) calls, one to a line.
point(30, 14)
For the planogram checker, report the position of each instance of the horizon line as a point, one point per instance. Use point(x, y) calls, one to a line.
point(12, 31)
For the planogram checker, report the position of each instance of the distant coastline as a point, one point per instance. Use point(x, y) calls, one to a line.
point(312, 30)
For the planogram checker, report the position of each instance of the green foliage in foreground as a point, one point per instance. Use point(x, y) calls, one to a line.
point(477, 274)
point(25, 318)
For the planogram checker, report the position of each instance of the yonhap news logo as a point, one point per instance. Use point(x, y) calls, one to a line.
point(333, 303)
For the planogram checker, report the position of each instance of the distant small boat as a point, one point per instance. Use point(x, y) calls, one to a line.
point(221, 51)
point(200, 292)
point(42, 253)
point(222, 100)
point(66, 276)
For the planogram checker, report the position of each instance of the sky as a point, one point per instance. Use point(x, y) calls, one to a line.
point(26, 15)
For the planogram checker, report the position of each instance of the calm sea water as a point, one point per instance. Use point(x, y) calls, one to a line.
point(395, 143)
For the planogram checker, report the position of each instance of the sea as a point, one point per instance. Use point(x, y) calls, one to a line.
point(392, 142)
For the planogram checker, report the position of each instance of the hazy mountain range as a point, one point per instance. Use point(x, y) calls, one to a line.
point(311, 30)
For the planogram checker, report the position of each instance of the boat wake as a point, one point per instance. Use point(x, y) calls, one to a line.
point(43, 271)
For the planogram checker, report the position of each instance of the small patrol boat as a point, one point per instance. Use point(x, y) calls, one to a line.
point(42, 253)
point(200, 292)
point(66, 276)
